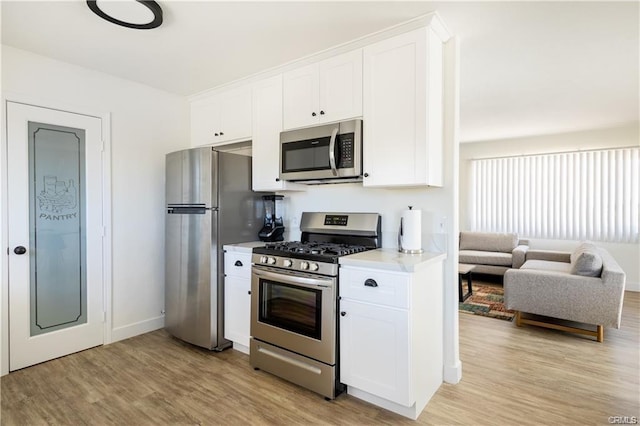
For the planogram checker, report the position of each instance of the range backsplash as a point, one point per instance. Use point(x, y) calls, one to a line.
point(353, 197)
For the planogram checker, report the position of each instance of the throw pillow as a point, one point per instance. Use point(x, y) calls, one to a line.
point(586, 261)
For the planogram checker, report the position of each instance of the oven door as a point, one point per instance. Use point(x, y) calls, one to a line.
point(295, 311)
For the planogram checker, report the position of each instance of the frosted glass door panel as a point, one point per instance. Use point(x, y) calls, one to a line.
point(57, 230)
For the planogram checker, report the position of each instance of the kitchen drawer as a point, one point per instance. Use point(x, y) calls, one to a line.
point(374, 286)
point(237, 264)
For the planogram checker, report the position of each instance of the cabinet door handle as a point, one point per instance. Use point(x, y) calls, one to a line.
point(215, 134)
point(249, 292)
point(221, 133)
point(313, 114)
point(238, 263)
point(371, 283)
point(366, 175)
point(321, 112)
point(343, 313)
point(277, 179)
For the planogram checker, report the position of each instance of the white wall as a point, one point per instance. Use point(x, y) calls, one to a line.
point(626, 135)
point(145, 124)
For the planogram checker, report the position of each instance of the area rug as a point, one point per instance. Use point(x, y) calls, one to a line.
point(488, 301)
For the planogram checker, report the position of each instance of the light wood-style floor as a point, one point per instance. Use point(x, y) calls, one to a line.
point(511, 376)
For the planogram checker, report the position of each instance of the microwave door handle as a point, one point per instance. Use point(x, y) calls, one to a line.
point(332, 152)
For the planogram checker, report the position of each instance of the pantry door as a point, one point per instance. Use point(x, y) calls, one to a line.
point(55, 205)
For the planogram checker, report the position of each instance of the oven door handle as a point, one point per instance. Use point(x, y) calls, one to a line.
point(332, 152)
point(291, 279)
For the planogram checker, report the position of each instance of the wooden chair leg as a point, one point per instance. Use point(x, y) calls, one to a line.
point(518, 315)
point(600, 335)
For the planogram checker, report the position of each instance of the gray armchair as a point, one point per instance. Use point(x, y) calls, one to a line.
point(586, 286)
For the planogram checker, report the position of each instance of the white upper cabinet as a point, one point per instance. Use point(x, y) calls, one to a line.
point(267, 125)
point(221, 117)
point(340, 93)
point(402, 110)
point(301, 88)
point(324, 92)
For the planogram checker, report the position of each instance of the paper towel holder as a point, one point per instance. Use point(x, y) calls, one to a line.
point(400, 234)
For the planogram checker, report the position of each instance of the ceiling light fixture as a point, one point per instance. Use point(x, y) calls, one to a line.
point(138, 14)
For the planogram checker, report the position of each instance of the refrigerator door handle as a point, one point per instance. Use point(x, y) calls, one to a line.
point(186, 209)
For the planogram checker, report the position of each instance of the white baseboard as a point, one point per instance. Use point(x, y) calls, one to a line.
point(453, 373)
point(410, 412)
point(136, 329)
point(632, 286)
point(240, 347)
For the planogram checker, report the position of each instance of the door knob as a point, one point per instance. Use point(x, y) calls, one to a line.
point(20, 250)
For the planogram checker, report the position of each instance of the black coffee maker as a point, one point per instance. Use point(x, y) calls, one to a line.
point(273, 228)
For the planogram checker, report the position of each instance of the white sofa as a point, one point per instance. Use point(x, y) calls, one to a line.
point(585, 286)
point(492, 252)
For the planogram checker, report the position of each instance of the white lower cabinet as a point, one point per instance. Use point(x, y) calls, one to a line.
point(237, 313)
point(237, 296)
point(375, 350)
point(391, 335)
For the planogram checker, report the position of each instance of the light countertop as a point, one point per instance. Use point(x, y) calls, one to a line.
point(243, 247)
point(391, 259)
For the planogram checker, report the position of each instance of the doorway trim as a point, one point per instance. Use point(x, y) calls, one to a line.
point(4, 209)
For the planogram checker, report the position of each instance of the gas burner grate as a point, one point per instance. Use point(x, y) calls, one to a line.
point(316, 248)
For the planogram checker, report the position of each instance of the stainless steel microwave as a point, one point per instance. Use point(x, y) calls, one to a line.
point(321, 153)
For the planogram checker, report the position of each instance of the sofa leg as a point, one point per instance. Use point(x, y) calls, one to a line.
point(598, 334)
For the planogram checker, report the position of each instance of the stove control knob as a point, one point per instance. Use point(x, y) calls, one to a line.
point(263, 259)
point(271, 261)
point(304, 265)
point(313, 266)
point(287, 263)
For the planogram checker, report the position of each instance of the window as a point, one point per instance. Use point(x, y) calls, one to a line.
point(590, 195)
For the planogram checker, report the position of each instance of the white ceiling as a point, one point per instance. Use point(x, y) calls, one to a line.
point(527, 68)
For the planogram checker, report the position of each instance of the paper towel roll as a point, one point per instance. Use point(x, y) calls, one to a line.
point(411, 231)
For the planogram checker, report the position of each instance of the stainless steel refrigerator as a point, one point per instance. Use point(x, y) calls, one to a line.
point(209, 204)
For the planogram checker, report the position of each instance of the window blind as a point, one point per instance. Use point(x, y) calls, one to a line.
point(590, 195)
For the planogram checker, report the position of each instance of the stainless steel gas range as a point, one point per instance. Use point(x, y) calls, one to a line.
point(294, 297)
